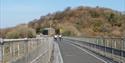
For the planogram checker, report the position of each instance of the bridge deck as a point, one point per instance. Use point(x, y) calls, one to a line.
point(72, 54)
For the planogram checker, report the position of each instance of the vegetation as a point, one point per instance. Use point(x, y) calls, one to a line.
point(80, 21)
point(21, 31)
point(85, 21)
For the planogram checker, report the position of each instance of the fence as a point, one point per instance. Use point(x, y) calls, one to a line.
point(35, 50)
point(113, 48)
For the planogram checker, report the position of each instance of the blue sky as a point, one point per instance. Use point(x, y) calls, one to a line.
point(13, 12)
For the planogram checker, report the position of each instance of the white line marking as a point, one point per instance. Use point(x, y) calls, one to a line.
point(61, 59)
point(87, 52)
point(58, 55)
point(38, 57)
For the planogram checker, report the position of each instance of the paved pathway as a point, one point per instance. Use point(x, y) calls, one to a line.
point(72, 54)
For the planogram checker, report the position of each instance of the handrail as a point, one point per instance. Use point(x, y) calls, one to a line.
point(26, 50)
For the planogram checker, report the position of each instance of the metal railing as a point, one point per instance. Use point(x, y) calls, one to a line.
point(113, 48)
point(35, 50)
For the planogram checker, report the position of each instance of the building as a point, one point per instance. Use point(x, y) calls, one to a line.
point(48, 31)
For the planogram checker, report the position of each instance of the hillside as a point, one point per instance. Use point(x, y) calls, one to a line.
point(80, 21)
point(84, 21)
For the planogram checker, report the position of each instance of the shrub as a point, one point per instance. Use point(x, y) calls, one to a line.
point(97, 26)
point(66, 33)
point(12, 34)
point(21, 32)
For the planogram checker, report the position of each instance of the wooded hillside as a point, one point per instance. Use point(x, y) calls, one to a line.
point(84, 21)
point(81, 21)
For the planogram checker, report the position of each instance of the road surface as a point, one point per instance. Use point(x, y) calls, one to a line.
point(73, 54)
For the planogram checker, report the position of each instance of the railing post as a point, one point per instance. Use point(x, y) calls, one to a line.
point(97, 45)
point(114, 46)
point(111, 49)
point(11, 51)
point(27, 50)
point(37, 47)
point(123, 49)
point(1, 50)
point(104, 46)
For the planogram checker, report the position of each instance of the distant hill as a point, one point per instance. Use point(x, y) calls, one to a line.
point(83, 21)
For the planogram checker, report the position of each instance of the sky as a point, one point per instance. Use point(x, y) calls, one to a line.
point(14, 12)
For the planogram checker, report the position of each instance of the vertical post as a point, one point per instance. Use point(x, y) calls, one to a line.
point(89, 41)
point(97, 45)
point(14, 51)
point(1, 50)
point(1, 54)
point(111, 49)
point(123, 48)
point(27, 51)
point(18, 49)
point(37, 47)
point(11, 56)
point(12, 48)
point(104, 46)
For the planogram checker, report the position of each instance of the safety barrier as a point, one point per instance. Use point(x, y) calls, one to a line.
point(33, 50)
point(113, 48)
